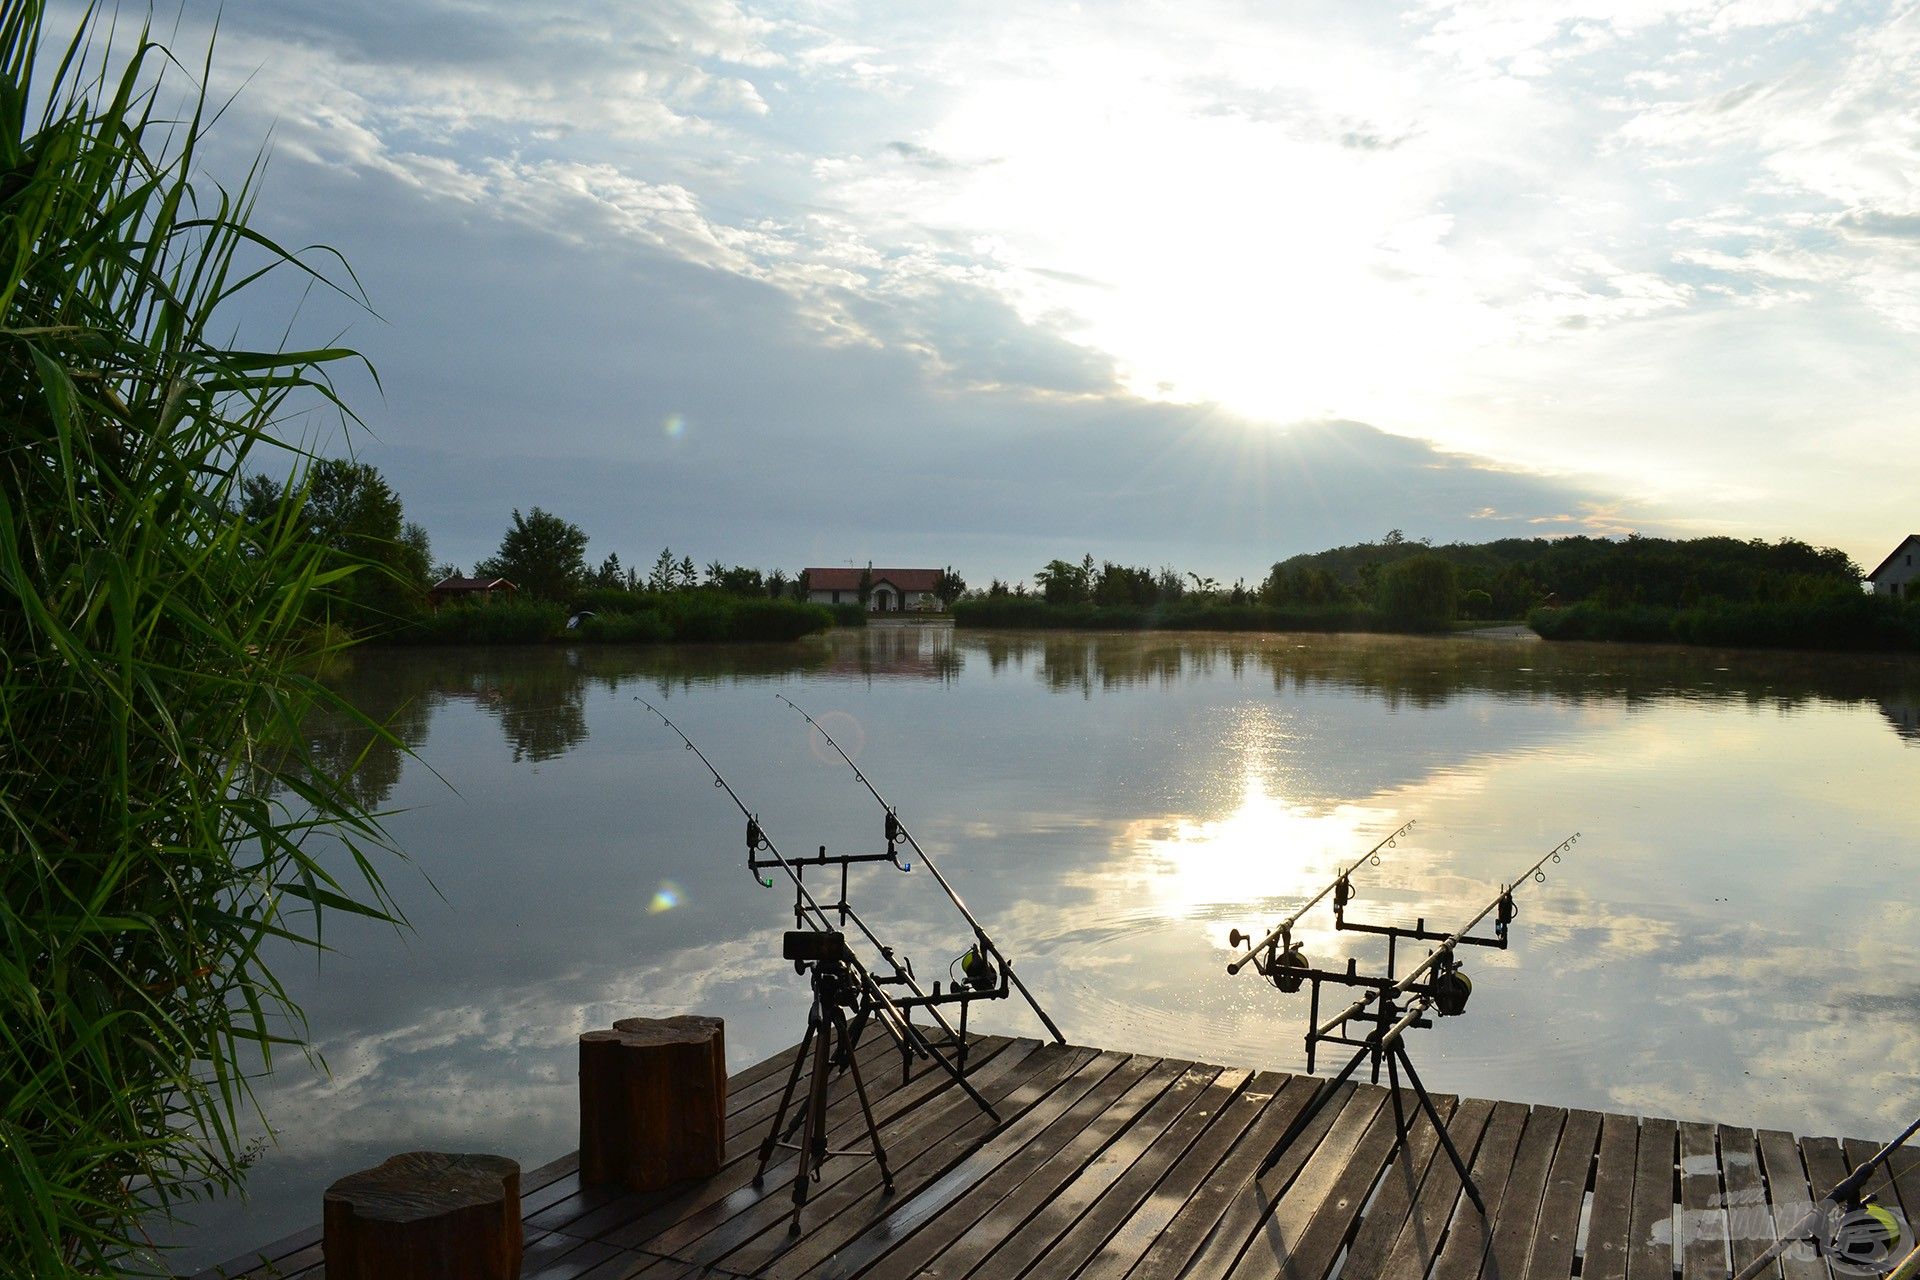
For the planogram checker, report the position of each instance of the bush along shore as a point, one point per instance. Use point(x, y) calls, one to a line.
point(614, 616)
point(1855, 622)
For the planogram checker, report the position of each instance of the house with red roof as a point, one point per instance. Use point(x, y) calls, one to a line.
point(894, 590)
point(456, 590)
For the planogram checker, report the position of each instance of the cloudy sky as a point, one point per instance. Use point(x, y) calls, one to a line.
point(1203, 284)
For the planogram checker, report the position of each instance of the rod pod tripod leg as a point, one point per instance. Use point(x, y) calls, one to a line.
point(827, 1042)
point(1397, 1060)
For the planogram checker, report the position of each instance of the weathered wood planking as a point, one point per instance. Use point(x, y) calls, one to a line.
point(1110, 1166)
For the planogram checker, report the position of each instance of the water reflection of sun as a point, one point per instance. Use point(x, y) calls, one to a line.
point(1266, 856)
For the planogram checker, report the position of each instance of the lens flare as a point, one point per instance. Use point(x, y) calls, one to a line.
point(665, 898)
point(846, 731)
point(674, 425)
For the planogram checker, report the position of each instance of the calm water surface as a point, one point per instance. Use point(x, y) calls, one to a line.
point(1735, 937)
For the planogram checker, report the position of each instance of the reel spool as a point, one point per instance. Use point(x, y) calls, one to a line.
point(1293, 958)
point(1451, 991)
point(980, 972)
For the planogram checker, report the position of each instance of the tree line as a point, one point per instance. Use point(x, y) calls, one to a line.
point(349, 510)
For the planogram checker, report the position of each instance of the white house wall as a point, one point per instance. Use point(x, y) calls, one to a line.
point(1898, 578)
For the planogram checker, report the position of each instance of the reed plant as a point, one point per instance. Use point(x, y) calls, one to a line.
point(161, 819)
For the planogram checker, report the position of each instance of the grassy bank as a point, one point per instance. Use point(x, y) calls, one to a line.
point(1854, 623)
point(621, 617)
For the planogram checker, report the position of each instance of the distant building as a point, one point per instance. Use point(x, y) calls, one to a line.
point(1898, 573)
point(458, 590)
point(894, 590)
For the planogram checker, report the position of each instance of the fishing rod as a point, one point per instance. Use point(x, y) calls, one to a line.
point(809, 911)
point(1503, 910)
point(1281, 951)
point(1840, 1203)
point(896, 831)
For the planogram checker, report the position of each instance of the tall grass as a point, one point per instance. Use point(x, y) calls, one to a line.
point(156, 797)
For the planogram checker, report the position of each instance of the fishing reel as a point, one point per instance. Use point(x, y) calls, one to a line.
point(1284, 967)
point(1450, 989)
point(977, 970)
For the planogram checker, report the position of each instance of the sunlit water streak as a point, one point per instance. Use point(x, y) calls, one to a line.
point(1734, 938)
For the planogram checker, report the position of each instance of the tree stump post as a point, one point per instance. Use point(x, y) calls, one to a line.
point(653, 1101)
point(426, 1215)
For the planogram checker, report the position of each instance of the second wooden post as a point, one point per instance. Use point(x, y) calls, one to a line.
point(653, 1101)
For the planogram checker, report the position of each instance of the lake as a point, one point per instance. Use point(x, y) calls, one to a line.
point(1734, 937)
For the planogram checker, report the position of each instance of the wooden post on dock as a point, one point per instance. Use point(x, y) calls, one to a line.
point(426, 1215)
point(653, 1099)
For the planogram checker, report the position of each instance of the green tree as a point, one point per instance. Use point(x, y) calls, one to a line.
point(739, 581)
point(1063, 582)
point(541, 554)
point(610, 574)
point(157, 791)
point(866, 584)
point(949, 586)
point(1420, 591)
point(662, 577)
point(350, 509)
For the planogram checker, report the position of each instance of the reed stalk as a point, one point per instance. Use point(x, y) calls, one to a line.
point(163, 828)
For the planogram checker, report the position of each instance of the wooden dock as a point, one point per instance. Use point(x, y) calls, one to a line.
point(1109, 1165)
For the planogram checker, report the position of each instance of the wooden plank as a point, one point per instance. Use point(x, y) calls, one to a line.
point(1558, 1232)
point(1413, 1249)
point(1826, 1163)
point(1471, 1232)
point(1168, 1256)
point(749, 1210)
point(1137, 1180)
point(846, 1209)
point(1789, 1199)
point(1905, 1165)
point(1650, 1237)
point(558, 1257)
point(1702, 1244)
point(1610, 1222)
point(1130, 1242)
point(966, 1189)
point(1304, 1233)
point(1018, 1248)
point(1399, 1187)
point(1749, 1225)
point(1881, 1183)
point(1304, 1174)
point(1516, 1224)
point(964, 1234)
